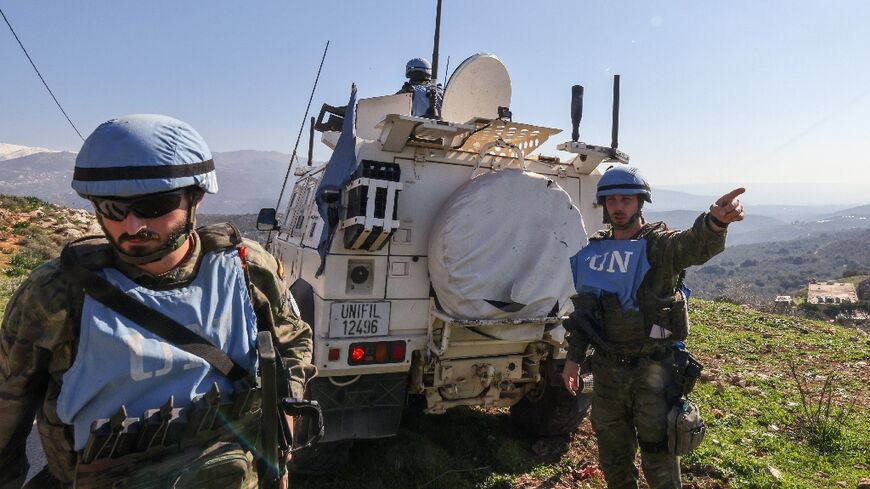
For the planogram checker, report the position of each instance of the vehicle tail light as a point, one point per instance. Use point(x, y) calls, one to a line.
point(376, 352)
point(357, 354)
point(334, 354)
point(397, 351)
point(380, 352)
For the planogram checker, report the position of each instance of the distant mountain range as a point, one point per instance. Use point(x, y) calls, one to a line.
point(757, 228)
point(250, 180)
point(11, 151)
point(672, 200)
point(777, 194)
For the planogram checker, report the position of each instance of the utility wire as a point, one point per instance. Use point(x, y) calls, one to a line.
point(301, 127)
point(40, 76)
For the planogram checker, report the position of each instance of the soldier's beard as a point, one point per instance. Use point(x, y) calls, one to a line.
point(630, 223)
point(152, 240)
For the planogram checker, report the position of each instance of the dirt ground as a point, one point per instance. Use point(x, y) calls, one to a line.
point(583, 454)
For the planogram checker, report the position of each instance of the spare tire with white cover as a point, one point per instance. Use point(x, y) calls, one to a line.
point(500, 248)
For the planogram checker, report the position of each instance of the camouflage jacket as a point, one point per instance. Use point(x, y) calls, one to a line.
point(39, 341)
point(669, 252)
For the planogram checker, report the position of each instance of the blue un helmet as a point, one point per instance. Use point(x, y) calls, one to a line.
point(623, 180)
point(143, 154)
point(137, 155)
point(418, 68)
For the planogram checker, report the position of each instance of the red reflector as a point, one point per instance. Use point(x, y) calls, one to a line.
point(357, 353)
point(397, 351)
point(381, 352)
point(334, 354)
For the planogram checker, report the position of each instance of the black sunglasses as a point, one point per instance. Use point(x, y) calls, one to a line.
point(148, 207)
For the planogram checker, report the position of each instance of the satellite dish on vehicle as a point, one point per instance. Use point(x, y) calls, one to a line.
point(477, 88)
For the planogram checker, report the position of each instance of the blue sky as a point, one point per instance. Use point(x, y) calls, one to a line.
point(748, 91)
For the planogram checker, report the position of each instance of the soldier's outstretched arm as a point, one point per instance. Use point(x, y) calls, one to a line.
point(706, 238)
point(25, 333)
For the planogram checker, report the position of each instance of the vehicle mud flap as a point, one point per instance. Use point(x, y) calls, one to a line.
point(370, 407)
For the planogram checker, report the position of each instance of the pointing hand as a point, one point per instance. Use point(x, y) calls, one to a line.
point(728, 208)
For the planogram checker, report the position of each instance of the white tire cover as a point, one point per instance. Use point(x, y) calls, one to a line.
point(508, 237)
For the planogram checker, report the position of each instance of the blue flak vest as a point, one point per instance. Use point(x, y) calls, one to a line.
point(420, 100)
point(119, 362)
point(612, 265)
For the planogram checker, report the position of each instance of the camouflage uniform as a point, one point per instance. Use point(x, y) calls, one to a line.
point(630, 400)
point(39, 342)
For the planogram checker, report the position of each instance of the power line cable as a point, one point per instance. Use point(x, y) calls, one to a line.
point(40, 76)
point(301, 127)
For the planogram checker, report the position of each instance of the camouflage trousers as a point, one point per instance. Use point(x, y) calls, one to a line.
point(630, 408)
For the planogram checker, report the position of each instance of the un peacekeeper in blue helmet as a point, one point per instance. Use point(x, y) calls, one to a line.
point(418, 71)
point(631, 307)
point(120, 402)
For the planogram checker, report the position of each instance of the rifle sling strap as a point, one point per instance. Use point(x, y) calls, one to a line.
point(154, 321)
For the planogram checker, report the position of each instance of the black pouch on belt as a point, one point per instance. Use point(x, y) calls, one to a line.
point(687, 370)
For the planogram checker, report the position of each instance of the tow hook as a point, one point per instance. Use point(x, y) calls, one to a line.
point(486, 372)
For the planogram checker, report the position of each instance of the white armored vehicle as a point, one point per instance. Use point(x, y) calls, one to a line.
point(431, 258)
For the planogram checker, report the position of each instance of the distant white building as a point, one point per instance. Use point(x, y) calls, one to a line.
point(783, 304)
point(830, 293)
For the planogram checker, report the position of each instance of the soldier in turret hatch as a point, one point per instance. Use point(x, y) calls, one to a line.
point(422, 87)
point(631, 307)
point(136, 351)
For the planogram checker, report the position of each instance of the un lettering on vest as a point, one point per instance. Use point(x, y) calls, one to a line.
point(614, 261)
point(612, 266)
point(164, 354)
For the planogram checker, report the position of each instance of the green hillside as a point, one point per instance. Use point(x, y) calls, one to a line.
point(756, 274)
point(758, 435)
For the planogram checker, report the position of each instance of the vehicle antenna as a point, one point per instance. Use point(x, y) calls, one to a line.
point(311, 140)
point(437, 41)
point(614, 132)
point(447, 68)
point(298, 137)
point(576, 111)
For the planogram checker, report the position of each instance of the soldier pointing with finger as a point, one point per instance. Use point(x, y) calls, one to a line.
point(631, 307)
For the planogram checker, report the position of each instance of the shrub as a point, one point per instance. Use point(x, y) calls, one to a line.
point(21, 204)
point(23, 263)
point(851, 272)
point(819, 420)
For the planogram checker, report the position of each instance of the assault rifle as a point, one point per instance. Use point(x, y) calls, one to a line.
point(275, 432)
